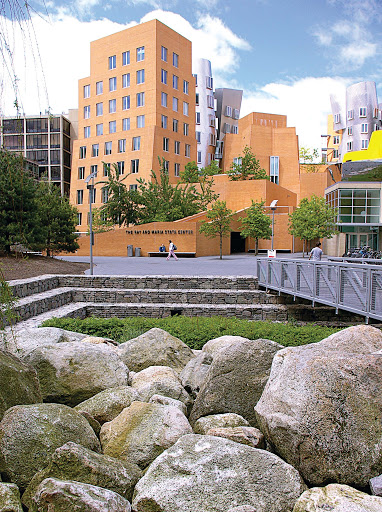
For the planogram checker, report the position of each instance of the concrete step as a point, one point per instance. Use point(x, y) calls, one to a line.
point(39, 303)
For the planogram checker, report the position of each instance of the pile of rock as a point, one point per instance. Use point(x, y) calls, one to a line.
point(152, 426)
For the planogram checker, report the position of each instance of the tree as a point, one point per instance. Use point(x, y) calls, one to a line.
point(313, 219)
point(309, 158)
point(256, 224)
point(190, 173)
point(58, 220)
point(218, 223)
point(248, 169)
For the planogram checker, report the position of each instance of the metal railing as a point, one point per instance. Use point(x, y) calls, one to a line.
point(349, 286)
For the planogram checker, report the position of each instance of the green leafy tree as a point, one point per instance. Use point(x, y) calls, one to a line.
point(313, 219)
point(58, 220)
point(211, 169)
point(191, 173)
point(310, 158)
point(218, 223)
point(248, 169)
point(256, 224)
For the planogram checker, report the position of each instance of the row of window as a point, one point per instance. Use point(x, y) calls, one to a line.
point(362, 113)
point(135, 146)
point(211, 138)
point(209, 81)
point(140, 123)
point(232, 112)
point(175, 125)
point(175, 81)
point(140, 55)
point(364, 144)
point(211, 118)
point(364, 129)
point(175, 104)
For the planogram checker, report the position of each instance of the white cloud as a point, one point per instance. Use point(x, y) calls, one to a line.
point(358, 52)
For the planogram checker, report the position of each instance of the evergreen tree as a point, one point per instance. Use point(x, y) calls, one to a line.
point(256, 224)
point(248, 169)
point(218, 223)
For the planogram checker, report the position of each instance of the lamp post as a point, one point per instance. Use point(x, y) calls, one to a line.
point(273, 208)
point(90, 187)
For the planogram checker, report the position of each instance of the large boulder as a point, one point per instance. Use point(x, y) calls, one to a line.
point(337, 498)
point(65, 496)
point(142, 432)
point(10, 498)
point(29, 434)
point(74, 462)
point(322, 408)
point(250, 436)
point(155, 347)
point(70, 373)
point(18, 383)
point(236, 379)
point(106, 405)
point(229, 419)
point(213, 474)
point(212, 347)
point(194, 373)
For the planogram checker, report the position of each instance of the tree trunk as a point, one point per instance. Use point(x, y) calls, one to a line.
point(221, 246)
point(256, 246)
point(303, 248)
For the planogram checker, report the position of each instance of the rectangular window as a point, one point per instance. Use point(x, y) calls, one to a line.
point(274, 169)
point(198, 136)
point(94, 169)
point(197, 117)
point(185, 128)
point(92, 195)
point(212, 121)
point(164, 54)
point(104, 195)
point(86, 91)
point(140, 53)
point(166, 166)
point(133, 187)
point(79, 219)
point(122, 146)
point(140, 121)
point(185, 86)
point(364, 143)
point(362, 112)
point(126, 80)
point(112, 106)
point(136, 143)
point(134, 166)
point(164, 121)
point(364, 128)
point(106, 169)
point(140, 76)
point(336, 139)
point(376, 113)
point(196, 78)
point(175, 125)
point(337, 118)
point(209, 82)
point(80, 196)
point(175, 82)
point(376, 127)
point(197, 98)
point(175, 104)
point(113, 62)
point(166, 142)
point(177, 170)
point(99, 109)
point(126, 123)
point(141, 99)
point(164, 99)
point(95, 149)
point(212, 139)
point(113, 84)
point(210, 101)
point(335, 153)
point(235, 129)
point(228, 111)
point(125, 58)
point(86, 132)
point(99, 87)
point(187, 150)
point(108, 148)
point(175, 60)
point(199, 157)
point(350, 130)
point(99, 129)
point(82, 151)
point(185, 108)
point(349, 146)
point(121, 167)
point(227, 128)
point(163, 76)
point(81, 173)
point(87, 112)
point(112, 126)
point(350, 115)
point(236, 113)
point(125, 102)
point(177, 147)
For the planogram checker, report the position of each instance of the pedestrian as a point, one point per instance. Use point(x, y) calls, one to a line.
point(316, 252)
point(171, 250)
point(162, 248)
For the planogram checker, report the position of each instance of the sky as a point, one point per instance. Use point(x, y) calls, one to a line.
point(287, 57)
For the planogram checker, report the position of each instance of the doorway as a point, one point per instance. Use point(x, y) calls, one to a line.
point(237, 242)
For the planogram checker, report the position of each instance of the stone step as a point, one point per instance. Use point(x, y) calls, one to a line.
point(39, 303)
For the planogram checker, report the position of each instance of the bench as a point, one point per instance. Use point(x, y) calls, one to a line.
point(179, 254)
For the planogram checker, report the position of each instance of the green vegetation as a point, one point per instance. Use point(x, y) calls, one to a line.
point(195, 332)
point(8, 315)
point(372, 175)
point(248, 169)
point(218, 223)
point(256, 224)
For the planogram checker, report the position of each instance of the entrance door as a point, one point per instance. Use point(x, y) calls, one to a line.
point(355, 240)
point(237, 242)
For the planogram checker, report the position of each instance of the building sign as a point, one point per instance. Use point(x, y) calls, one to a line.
point(159, 232)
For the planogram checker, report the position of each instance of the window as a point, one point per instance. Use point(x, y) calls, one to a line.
point(164, 121)
point(112, 126)
point(198, 136)
point(80, 196)
point(86, 91)
point(228, 111)
point(92, 195)
point(235, 129)
point(335, 153)
point(166, 166)
point(136, 143)
point(164, 99)
point(134, 166)
point(236, 113)
point(177, 170)
point(126, 80)
point(350, 115)
point(212, 120)
point(337, 118)
point(99, 109)
point(121, 167)
point(164, 53)
point(187, 150)
point(122, 146)
point(364, 128)
point(108, 147)
point(209, 82)
point(274, 169)
point(125, 102)
point(133, 187)
point(197, 115)
point(185, 128)
point(112, 106)
point(79, 218)
point(175, 125)
point(364, 143)
point(82, 151)
point(350, 130)
point(175, 60)
point(140, 121)
point(349, 146)
point(336, 139)
point(86, 132)
point(87, 112)
point(126, 124)
point(95, 149)
point(175, 82)
point(212, 139)
point(106, 169)
point(376, 127)
point(99, 129)
point(113, 62)
point(227, 128)
point(199, 157)
point(237, 161)
point(164, 76)
point(376, 112)
point(81, 173)
point(185, 86)
point(125, 58)
point(140, 53)
point(166, 142)
point(175, 104)
point(140, 76)
point(177, 147)
point(104, 195)
point(210, 101)
point(185, 108)
point(197, 98)
point(94, 169)
point(99, 87)
point(362, 112)
point(141, 99)
point(196, 78)
point(113, 84)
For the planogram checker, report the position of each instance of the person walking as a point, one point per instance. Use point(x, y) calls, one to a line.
point(171, 251)
point(316, 253)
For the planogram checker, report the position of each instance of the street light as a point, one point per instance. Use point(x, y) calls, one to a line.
point(90, 187)
point(273, 208)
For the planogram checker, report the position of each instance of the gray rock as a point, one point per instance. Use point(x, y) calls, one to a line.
point(212, 347)
point(236, 379)
point(18, 383)
point(376, 485)
point(106, 405)
point(321, 409)
point(95, 425)
point(29, 434)
point(165, 400)
point(155, 347)
point(10, 498)
point(66, 496)
point(70, 373)
point(98, 340)
point(337, 498)
point(250, 436)
point(74, 462)
point(244, 508)
point(229, 419)
point(194, 373)
point(142, 432)
point(212, 474)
